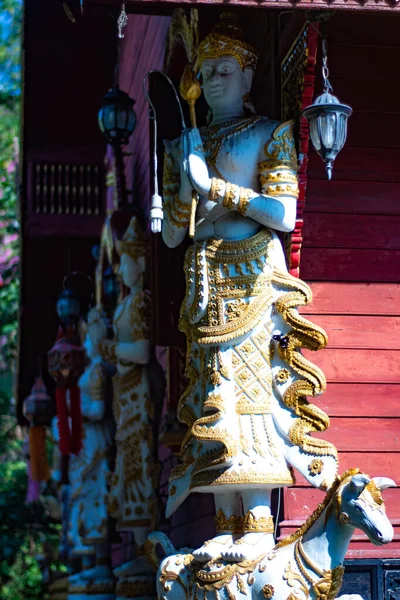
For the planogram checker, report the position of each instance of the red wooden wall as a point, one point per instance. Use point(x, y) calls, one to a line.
point(351, 257)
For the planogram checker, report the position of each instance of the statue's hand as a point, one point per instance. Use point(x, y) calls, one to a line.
point(186, 185)
point(196, 162)
point(97, 328)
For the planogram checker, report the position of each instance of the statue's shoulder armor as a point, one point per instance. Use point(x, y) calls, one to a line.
point(262, 132)
point(280, 146)
point(272, 129)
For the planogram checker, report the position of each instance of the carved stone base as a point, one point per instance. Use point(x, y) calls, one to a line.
point(372, 579)
point(136, 580)
point(137, 587)
point(92, 591)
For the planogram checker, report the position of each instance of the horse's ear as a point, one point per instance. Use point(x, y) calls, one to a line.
point(359, 482)
point(383, 483)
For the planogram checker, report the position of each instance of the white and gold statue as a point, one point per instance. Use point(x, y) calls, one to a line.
point(131, 500)
point(88, 473)
point(245, 407)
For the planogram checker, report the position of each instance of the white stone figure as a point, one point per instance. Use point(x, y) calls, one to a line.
point(89, 473)
point(245, 408)
point(132, 500)
point(307, 565)
point(74, 533)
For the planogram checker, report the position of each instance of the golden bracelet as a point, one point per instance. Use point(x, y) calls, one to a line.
point(244, 198)
point(107, 351)
point(231, 192)
point(217, 186)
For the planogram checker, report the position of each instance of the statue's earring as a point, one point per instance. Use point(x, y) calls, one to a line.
point(248, 103)
point(344, 518)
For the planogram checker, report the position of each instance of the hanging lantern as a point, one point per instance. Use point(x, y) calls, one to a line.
point(39, 409)
point(327, 119)
point(68, 309)
point(117, 119)
point(66, 363)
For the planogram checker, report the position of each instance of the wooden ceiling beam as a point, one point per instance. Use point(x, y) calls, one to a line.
point(367, 6)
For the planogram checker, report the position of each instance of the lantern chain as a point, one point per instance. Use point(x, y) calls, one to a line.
point(122, 21)
point(325, 69)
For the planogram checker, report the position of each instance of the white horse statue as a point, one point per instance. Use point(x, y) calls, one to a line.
point(306, 565)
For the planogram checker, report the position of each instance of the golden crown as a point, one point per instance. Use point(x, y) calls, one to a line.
point(226, 39)
point(134, 242)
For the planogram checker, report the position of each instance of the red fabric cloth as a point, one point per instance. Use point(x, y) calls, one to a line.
point(70, 439)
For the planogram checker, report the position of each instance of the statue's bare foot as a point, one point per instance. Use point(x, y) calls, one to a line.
point(249, 546)
point(213, 548)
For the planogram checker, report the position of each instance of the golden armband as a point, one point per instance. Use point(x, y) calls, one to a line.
point(278, 173)
point(281, 181)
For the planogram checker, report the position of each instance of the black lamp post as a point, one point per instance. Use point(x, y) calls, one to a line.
point(117, 121)
point(327, 119)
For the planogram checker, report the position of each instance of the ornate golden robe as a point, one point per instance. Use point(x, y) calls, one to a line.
point(245, 408)
point(131, 498)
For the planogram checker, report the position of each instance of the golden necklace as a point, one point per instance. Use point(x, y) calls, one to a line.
point(214, 139)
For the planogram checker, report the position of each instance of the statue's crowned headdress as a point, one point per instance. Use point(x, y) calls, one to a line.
point(134, 242)
point(227, 39)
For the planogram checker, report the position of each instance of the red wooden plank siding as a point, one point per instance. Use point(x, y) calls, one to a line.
point(329, 230)
point(358, 366)
point(351, 259)
point(358, 164)
point(359, 399)
point(344, 298)
point(364, 434)
point(361, 331)
point(353, 197)
point(350, 264)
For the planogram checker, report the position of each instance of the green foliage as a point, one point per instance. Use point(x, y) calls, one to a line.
point(10, 53)
point(25, 531)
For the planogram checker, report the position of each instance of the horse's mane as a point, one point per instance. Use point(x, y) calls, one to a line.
point(330, 494)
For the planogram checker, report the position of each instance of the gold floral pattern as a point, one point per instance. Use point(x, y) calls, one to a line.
point(282, 375)
point(315, 467)
point(268, 591)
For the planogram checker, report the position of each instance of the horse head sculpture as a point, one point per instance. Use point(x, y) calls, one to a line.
point(360, 505)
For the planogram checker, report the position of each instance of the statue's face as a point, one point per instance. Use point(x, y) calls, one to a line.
point(224, 83)
point(130, 269)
